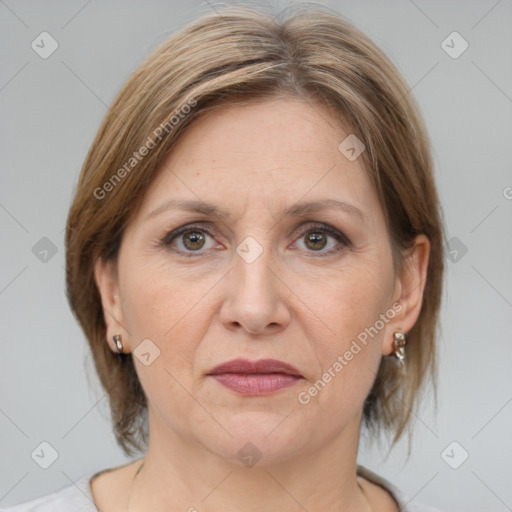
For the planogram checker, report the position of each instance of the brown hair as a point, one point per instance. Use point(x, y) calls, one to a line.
point(234, 56)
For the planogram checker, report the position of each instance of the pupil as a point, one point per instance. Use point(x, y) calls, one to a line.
point(318, 240)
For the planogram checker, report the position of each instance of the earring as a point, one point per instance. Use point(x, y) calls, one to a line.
point(399, 341)
point(119, 343)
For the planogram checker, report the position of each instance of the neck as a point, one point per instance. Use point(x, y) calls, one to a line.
point(177, 475)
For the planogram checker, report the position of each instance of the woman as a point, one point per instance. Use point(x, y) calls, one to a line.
point(255, 254)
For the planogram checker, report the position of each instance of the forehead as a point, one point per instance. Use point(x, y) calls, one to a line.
point(278, 151)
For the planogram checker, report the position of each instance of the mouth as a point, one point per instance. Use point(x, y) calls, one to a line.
point(255, 378)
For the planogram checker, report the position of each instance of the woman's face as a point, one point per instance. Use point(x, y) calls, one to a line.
point(287, 259)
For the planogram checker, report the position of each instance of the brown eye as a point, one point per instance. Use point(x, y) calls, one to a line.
point(193, 240)
point(190, 240)
point(322, 240)
point(315, 241)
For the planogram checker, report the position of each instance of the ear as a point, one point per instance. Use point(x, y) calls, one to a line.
point(409, 290)
point(105, 275)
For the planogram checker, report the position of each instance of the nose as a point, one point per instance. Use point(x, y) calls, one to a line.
point(255, 298)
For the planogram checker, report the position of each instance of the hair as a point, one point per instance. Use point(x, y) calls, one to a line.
point(231, 57)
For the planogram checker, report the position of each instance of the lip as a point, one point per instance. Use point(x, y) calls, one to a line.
point(255, 378)
point(262, 366)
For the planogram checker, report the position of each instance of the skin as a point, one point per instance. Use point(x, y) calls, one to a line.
point(290, 304)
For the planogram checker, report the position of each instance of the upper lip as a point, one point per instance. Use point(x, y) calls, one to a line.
point(262, 366)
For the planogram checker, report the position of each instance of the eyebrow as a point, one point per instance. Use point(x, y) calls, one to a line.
point(299, 209)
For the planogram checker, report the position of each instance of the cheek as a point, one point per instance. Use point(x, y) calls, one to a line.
point(166, 311)
point(352, 307)
point(161, 307)
point(354, 299)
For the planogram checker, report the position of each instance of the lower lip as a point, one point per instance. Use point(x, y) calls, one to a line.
point(256, 384)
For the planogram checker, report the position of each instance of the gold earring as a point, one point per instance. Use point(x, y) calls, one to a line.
point(399, 342)
point(118, 340)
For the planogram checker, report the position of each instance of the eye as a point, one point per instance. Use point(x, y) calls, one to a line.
point(322, 239)
point(189, 240)
point(194, 240)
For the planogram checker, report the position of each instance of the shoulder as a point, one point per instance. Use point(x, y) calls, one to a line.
point(405, 504)
point(76, 497)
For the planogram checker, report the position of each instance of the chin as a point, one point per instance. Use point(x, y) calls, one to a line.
point(260, 438)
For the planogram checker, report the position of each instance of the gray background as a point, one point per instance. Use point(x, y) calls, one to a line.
point(51, 109)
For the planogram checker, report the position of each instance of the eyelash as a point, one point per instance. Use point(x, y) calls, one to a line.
point(311, 228)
